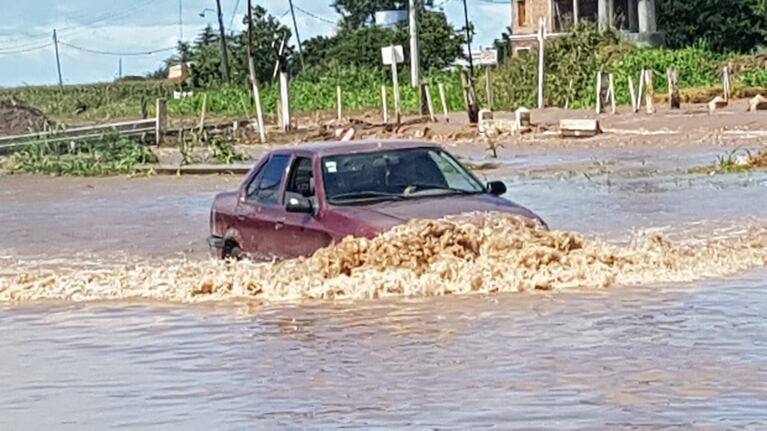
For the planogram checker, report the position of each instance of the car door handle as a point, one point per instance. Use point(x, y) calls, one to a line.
point(279, 225)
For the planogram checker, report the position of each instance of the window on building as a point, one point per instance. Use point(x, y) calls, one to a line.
point(521, 12)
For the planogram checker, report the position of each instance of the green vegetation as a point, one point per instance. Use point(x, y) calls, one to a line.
point(734, 161)
point(110, 155)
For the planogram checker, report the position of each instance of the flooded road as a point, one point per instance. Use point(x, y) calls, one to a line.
point(653, 356)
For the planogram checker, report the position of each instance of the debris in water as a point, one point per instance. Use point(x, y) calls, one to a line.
point(477, 253)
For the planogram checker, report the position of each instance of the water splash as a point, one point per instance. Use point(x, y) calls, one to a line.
point(477, 253)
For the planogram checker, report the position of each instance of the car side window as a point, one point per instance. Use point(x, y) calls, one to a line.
point(266, 184)
point(301, 179)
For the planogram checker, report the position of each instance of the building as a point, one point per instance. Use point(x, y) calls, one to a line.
point(635, 18)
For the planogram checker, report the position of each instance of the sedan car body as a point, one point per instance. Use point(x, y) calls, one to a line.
point(297, 200)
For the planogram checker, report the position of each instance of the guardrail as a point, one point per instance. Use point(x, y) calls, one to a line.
point(155, 126)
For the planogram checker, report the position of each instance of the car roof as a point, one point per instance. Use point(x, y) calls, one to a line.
point(350, 147)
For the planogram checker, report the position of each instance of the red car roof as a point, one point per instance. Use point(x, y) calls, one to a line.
point(349, 147)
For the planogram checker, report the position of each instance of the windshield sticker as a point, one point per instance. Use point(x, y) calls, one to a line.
point(331, 167)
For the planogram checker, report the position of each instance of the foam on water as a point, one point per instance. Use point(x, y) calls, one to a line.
point(478, 253)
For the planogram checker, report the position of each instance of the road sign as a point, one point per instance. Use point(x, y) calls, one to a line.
point(486, 57)
point(386, 54)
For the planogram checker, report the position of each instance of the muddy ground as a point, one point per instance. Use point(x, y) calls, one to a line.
point(168, 215)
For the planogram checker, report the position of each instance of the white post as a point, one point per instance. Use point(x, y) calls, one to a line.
point(599, 92)
point(726, 82)
point(285, 101)
point(612, 94)
point(603, 11)
point(541, 61)
point(338, 103)
point(488, 88)
point(640, 93)
point(632, 92)
point(429, 103)
point(443, 99)
point(395, 79)
point(414, 54)
point(385, 104)
point(575, 11)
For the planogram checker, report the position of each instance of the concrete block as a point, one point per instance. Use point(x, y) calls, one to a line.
point(758, 103)
point(523, 117)
point(719, 102)
point(579, 128)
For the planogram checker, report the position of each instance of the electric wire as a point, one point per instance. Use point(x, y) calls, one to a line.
point(114, 53)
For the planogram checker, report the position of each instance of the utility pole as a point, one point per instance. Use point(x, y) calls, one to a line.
point(120, 68)
point(253, 79)
point(180, 20)
point(222, 35)
point(298, 37)
point(58, 60)
point(415, 63)
point(472, 97)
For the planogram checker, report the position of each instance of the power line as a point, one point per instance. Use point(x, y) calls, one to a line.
point(119, 54)
point(79, 28)
point(312, 15)
point(25, 50)
point(234, 14)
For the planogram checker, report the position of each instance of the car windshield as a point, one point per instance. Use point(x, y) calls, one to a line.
point(395, 175)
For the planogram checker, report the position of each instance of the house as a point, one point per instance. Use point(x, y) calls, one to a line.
point(635, 18)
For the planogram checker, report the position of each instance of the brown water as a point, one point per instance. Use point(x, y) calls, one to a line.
point(657, 355)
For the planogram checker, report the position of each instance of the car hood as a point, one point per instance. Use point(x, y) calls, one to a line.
point(385, 215)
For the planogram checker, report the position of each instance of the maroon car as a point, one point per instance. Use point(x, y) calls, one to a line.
point(297, 200)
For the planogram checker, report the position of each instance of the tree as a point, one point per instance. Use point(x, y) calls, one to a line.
point(732, 25)
point(441, 44)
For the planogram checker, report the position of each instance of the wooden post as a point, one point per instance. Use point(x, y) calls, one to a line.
point(611, 90)
point(429, 103)
point(338, 103)
point(385, 104)
point(650, 91)
point(161, 121)
point(641, 91)
point(726, 83)
point(675, 99)
point(443, 99)
point(395, 79)
point(254, 79)
point(203, 112)
point(488, 88)
point(569, 94)
point(599, 92)
point(541, 61)
point(633, 94)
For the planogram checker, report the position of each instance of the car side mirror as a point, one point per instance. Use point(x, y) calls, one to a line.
point(299, 205)
point(496, 188)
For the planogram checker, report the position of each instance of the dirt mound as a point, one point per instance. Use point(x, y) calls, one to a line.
point(16, 118)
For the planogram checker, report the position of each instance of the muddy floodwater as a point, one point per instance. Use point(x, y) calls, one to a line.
point(652, 355)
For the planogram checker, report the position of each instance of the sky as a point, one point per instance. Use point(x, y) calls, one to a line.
point(27, 55)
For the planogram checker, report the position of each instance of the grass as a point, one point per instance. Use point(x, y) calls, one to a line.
point(110, 155)
point(735, 161)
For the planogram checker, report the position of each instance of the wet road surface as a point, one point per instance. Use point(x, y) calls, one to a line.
point(690, 356)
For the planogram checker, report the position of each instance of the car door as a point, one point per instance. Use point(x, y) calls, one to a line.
point(258, 213)
point(301, 234)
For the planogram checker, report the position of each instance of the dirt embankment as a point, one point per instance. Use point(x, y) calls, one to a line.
point(16, 118)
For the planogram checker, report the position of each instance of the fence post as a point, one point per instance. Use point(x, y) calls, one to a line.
point(674, 98)
point(650, 91)
point(160, 121)
point(385, 105)
point(443, 99)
